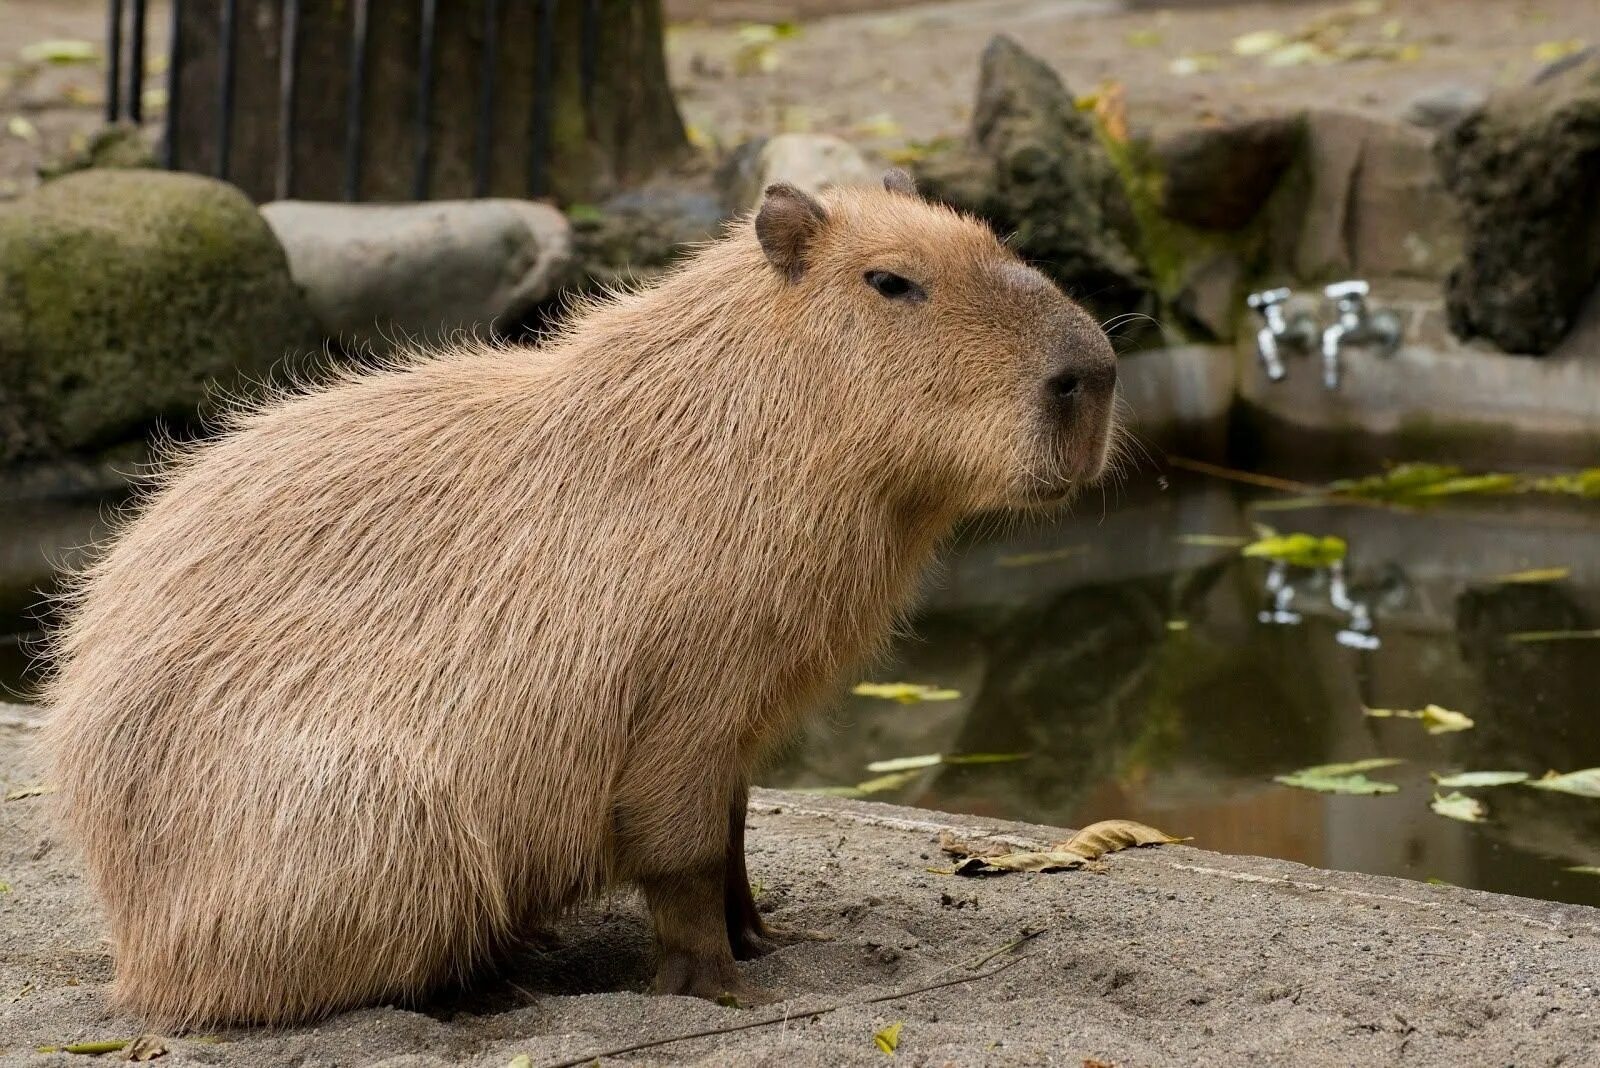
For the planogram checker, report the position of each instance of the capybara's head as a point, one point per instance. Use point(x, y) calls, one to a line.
point(999, 388)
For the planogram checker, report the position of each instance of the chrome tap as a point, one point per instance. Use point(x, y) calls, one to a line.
point(1280, 597)
point(1357, 633)
point(1356, 325)
point(1279, 331)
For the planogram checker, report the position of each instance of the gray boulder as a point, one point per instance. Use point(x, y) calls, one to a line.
point(1034, 167)
point(1220, 177)
point(380, 276)
point(1526, 171)
point(811, 162)
point(128, 297)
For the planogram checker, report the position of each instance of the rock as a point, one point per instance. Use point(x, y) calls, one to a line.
point(1526, 171)
point(128, 297)
point(1374, 203)
point(1034, 167)
point(1211, 293)
point(1218, 178)
point(119, 146)
point(809, 161)
point(634, 236)
point(380, 275)
point(1443, 106)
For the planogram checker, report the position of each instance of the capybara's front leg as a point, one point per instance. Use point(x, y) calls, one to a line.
point(691, 940)
point(749, 935)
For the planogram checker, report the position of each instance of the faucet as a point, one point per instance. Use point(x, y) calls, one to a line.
point(1280, 597)
point(1358, 632)
point(1356, 325)
point(1279, 330)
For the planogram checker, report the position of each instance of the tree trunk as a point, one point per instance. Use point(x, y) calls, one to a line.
point(571, 117)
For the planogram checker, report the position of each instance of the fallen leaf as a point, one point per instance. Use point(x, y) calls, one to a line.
point(1470, 779)
point(22, 992)
point(1550, 51)
point(1301, 550)
point(1585, 483)
point(1352, 767)
point(983, 758)
point(1458, 806)
point(928, 760)
point(880, 125)
point(1434, 719)
point(22, 793)
point(1049, 555)
point(1552, 635)
point(145, 1048)
point(1297, 54)
point(1537, 574)
point(908, 693)
point(1194, 63)
point(5, 887)
point(1177, 624)
point(1145, 38)
point(728, 1001)
point(19, 127)
point(888, 1040)
point(59, 51)
point(1584, 783)
point(1111, 836)
point(1259, 43)
point(892, 781)
point(1111, 108)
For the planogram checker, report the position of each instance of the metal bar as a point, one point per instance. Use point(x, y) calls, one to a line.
point(483, 155)
point(424, 132)
point(544, 62)
point(136, 64)
point(288, 65)
point(174, 84)
point(113, 60)
point(355, 101)
point(230, 55)
point(589, 57)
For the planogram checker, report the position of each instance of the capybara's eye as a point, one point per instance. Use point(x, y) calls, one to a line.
point(894, 286)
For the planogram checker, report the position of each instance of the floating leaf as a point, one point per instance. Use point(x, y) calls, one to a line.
point(1048, 556)
point(984, 758)
point(1434, 719)
point(1584, 869)
point(1471, 484)
point(907, 693)
point(1258, 43)
point(1213, 541)
point(888, 1040)
point(927, 760)
point(1537, 574)
point(59, 51)
point(22, 793)
point(1552, 635)
point(1585, 483)
point(1400, 481)
point(1336, 784)
point(1301, 550)
point(1353, 767)
point(1585, 783)
point(1458, 806)
point(892, 781)
point(1470, 779)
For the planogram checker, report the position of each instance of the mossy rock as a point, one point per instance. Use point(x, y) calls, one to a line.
point(127, 299)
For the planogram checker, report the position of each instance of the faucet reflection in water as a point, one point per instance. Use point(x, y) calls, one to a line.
point(1358, 631)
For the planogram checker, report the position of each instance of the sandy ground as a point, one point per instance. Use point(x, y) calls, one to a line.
point(1172, 956)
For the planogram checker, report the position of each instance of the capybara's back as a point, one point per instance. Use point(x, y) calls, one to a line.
point(400, 667)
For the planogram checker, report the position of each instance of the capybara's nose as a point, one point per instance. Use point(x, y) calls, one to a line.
point(1067, 388)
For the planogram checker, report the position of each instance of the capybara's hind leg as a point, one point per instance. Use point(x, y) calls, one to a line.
point(749, 934)
point(692, 947)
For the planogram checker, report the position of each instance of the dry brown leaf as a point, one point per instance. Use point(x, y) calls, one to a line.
point(145, 1048)
point(1109, 836)
point(1088, 845)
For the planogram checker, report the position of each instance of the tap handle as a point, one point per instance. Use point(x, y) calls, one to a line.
point(1349, 295)
point(1268, 298)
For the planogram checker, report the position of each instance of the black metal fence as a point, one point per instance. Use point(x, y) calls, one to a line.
point(126, 37)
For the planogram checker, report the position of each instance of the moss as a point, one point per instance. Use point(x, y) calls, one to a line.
point(126, 298)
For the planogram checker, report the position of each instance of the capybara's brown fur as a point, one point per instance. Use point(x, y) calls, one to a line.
point(400, 667)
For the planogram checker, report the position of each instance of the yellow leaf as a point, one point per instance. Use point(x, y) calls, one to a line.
point(1458, 806)
point(521, 1060)
point(1550, 51)
point(907, 693)
point(879, 125)
point(1538, 574)
point(1194, 63)
point(888, 1040)
point(19, 127)
point(1434, 719)
point(1259, 43)
point(1143, 38)
point(59, 51)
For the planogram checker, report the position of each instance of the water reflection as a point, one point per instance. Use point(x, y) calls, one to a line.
point(1168, 682)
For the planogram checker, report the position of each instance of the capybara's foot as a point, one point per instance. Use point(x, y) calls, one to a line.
point(709, 978)
point(757, 939)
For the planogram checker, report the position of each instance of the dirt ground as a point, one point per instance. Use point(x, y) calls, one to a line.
point(885, 73)
point(1171, 956)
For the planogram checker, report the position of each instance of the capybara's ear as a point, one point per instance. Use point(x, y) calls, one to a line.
point(896, 180)
point(789, 218)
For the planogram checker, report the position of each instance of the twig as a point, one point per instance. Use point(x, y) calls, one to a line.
point(1283, 485)
point(1027, 936)
point(770, 1020)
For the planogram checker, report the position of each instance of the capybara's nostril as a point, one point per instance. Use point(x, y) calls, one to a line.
point(1065, 386)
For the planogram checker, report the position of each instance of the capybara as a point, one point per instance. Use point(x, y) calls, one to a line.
point(394, 670)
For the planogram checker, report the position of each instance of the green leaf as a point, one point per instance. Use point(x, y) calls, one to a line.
point(888, 1040)
point(107, 1046)
point(1353, 767)
point(1471, 779)
point(1537, 574)
point(1458, 806)
point(59, 51)
point(1585, 483)
point(1553, 635)
point(1584, 783)
point(1584, 869)
point(521, 1060)
point(908, 693)
point(984, 758)
point(1301, 550)
point(1434, 719)
point(927, 760)
point(1337, 784)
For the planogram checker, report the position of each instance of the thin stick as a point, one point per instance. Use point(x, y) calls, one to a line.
point(1249, 478)
point(770, 1020)
point(1027, 936)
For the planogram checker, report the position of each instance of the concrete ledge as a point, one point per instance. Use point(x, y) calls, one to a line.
point(1173, 956)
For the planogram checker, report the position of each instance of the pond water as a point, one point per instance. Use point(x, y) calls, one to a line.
point(1134, 668)
point(1123, 650)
